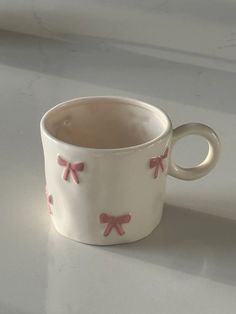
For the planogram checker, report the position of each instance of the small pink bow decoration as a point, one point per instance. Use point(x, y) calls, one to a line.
point(70, 168)
point(158, 162)
point(49, 201)
point(114, 222)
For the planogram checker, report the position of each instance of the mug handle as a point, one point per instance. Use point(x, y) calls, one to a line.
point(207, 164)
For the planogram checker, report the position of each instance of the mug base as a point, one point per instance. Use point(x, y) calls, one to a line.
point(124, 241)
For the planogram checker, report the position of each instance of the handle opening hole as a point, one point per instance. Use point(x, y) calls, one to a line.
point(190, 151)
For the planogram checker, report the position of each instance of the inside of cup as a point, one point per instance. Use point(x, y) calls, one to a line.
point(105, 123)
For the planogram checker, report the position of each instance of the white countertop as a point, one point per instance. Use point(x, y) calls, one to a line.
point(188, 264)
point(199, 32)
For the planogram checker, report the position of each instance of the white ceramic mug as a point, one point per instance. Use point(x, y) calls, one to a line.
point(106, 162)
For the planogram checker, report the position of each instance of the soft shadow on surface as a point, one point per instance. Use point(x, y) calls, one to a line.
point(191, 242)
point(188, 249)
point(4, 309)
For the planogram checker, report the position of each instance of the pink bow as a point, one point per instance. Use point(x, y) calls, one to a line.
point(70, 168)
point(158, 162)
point(114, 222)
point(49, 201)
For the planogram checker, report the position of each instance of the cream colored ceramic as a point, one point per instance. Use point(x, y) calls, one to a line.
point(106, 162)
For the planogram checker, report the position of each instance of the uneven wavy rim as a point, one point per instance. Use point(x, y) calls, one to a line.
point(130, 101)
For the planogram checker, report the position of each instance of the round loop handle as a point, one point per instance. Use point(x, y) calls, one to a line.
point(207, 164)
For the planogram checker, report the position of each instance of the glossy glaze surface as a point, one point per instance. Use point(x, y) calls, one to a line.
point(115, 177)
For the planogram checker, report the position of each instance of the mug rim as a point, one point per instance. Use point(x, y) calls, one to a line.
point(131, 101)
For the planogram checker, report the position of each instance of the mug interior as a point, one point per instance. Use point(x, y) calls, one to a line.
point(105, 122)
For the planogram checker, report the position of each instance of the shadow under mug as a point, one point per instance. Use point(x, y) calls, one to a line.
point(106, 162)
